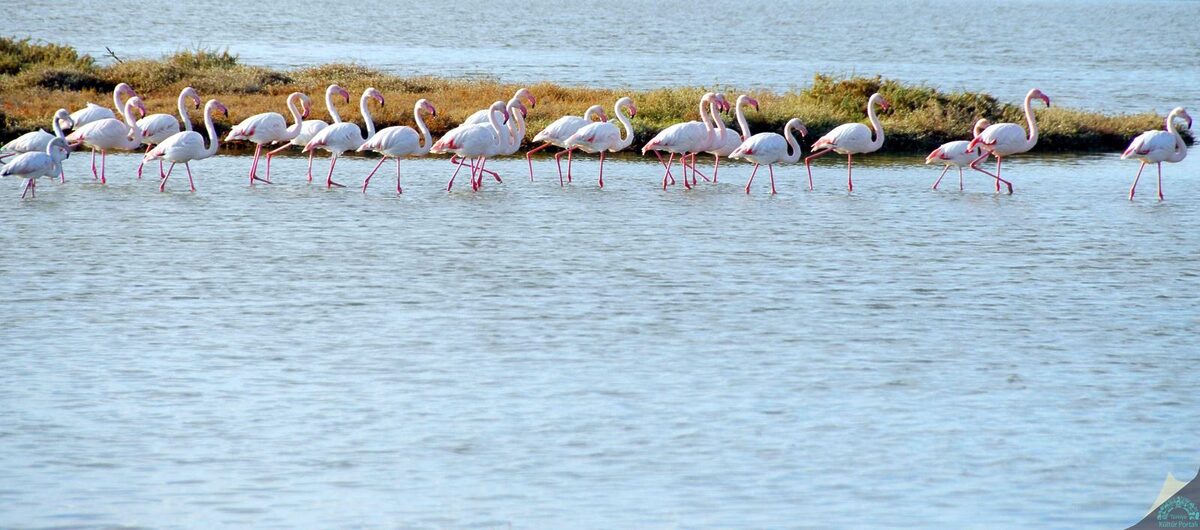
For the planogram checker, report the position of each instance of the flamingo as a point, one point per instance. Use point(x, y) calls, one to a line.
point(36, 141)
point(509, 143)
point(310, 128)
point(1156, 147)
point(480, 117)
point(956, 154)
point(159, 127)
point(188, 146)
point(604, 136)
point(474, 142)
point(401, 141)
point(1003, 139)
point(93, 112)
point(345, 136)
point(850, 139)
point(770, 149)
point(725, 141)
point(686, 138)
point(269, 128)
point(556, 134)
point(110, 133)
point(30, 166)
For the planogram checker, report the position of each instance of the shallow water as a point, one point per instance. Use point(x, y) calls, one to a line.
point(286, 356)
point(1115, 56)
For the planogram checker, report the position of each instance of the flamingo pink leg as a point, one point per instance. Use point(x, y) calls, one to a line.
point(329, 183)
point(939, 179)
point(103, 160)
point(191, 183)
point(570, 155)
point(808, 166)
point(62, 176)
point(683, 163)
point(372, 174)
point(716, 165)
point(771, 168)
point(143, 162)
point(25, 189)
point(456, 170)
point(670, 162)
point(455, 160)
point(529, 158)
point(602, 169)
point(850, 172)
point(1133, 188)
point(695, 172)
point(398, 189)
point(960, 179)
point(1160, 193)
point(94, 176)
point(748, 182)
point(162, 185)
point(269, 155)
point(975, 166)
point(276, 151)
point(310, 159)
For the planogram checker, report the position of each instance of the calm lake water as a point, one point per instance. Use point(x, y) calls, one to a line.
point(1115, 56)
point(528, 356)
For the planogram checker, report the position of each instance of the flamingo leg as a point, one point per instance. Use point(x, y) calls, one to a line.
point(329, 183)
point(281, 148)
point(25, 188)
point(716, 165)
point(570, 154)
point(998, 174)
point(670, 162)
point(695, 172)
point(368, 180)
point(748, 182)
point(455, 160)
point(808, 166)
point(1133, 188)
point(477, 180)
point(254, 169)
point(529, 157)
point(1160, 194)
point(771, 168)
point(269, 155)
point(191, 183)
point(601, 169)
point(558, 162)
point(94, 176)
point(310, 159)
point(960, 179)
point(939, 179)
point(398, 189)
point(850, 172)
point(143, 162)
point(62, 176)
point(33, 188)
point(162, 185)
point(683, 163)
point(103, 159)
point(975, 166)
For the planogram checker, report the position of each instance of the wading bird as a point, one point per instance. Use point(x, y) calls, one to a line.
point(270, 128)
point(556, 134)
point(850, 139)
point(956, 154)
point(36, 141)
point(345, 136)
point(689, 137)
point(770, 149)
point(726, 140)
point(401, 141)
point(310, 128)
point(604, 136)
point(473, 143)
point(158, 127)
point(93, 112)
point(1156, 147)
point(31, 166)
point(188, 146)
point(1004, 139)
point(110, 133)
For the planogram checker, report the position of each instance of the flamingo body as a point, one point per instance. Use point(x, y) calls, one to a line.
point(846, 139)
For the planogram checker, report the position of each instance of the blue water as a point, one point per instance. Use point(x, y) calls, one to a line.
point(529, 356)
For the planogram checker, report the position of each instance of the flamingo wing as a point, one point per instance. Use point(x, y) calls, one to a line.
point(1150, 144)
point(157, 127)
point(28, 165)
point(595, 137)
point(559, 130)
point(845, 138)
point(679, 138)
point(393, 141)
point(308, 129)
point(180, 147)
point(100, 133)
point(339, 137)
point(259, 128)
point(1003, 138)
point(30, 142)
point(762, 148)
point(90, 113)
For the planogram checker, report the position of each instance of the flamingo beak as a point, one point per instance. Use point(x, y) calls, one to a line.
point(524, 111)
point(532, 101)
point(1046, 99)
point(754, 103)
point(803, 131)
point(1189, 119)
point(633, 111)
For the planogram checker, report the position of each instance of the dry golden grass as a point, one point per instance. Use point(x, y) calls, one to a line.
point(37, 79)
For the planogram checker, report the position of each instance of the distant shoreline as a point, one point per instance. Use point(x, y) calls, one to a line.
point(37, 79)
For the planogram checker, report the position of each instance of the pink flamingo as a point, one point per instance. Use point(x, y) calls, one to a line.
point(269, 128)
point(1156, 147)
point(726, 140)
point(850, 139)
point(30, 166)
point(93, 112)
point(1003, 139)
point(36, 141)
point(770, 149)
point(685, 138)
point(557, 133)
point(110, 133)
point(344, 136)
point(473, 143)
point(187, 146)
point(310, 128)
point(604, 136)
point(956, 154)
point(159, 127)
point(401, 141)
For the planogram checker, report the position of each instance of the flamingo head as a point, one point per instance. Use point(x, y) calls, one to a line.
point(499, 107)
point(515, 103)
point(305, 105)
point(427, 107)
point(374, 94)
point(980, 125)
point(124, 88)
point(748, 101)
point(884, 104)
point(338, 90)
point(628, 103)
point(1178, 111)
point(1038, 94)
point(136, 103)
point(722, 103)
point(63, 117)
point(190, 93)
point(798, 125)
point(526, 95)
point(218, 106)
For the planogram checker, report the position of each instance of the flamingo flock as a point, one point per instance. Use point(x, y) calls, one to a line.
point(500, 130)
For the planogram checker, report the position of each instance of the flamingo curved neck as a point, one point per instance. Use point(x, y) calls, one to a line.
point(181, 104)
point(877, 142)
point(211, 150)
point(365, 109)
point(297, 118)
point(623, 117)
point(789, 135)
point(704, 117)
point(120, 89)
point(333, 113)
point(741, 119)
point(1033, 129)
point(591, 113)
point(716, 118)
point(58, 132)
point(423, 129)
point(497, 127)
point(516, 130)
point(1180, 145)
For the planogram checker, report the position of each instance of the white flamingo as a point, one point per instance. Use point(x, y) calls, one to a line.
point(686, 138)
point(600, 137)
point(770, 149)
point(188, 146)
point(159, 127)
point(956, 154)
point(30, 166)
point(269, 128)
point(480, 117)
point(310, 128)
point(850, 139)
point(401, 141)
point(1003, 139)
point(345, 136)
point(510, 140)
point(110, 133)
point(726, 140)
point(93, 112)
point(473, 143)
point(36, 141)
point(556, 134)
point(1156, 147)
